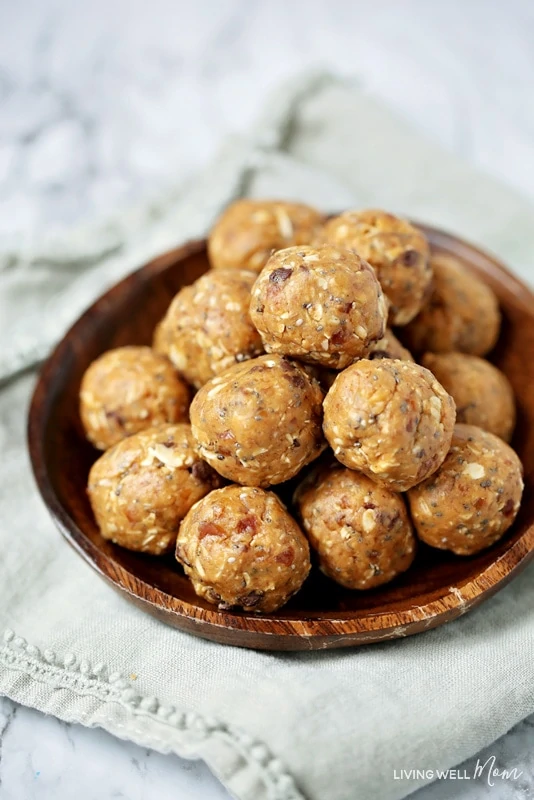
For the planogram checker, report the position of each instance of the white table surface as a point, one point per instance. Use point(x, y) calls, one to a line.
point(102, 102)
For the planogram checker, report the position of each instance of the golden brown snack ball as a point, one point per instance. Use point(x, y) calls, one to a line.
point(142, 488)
point(208, 328)
point(259, 422)
point(127, 390)
point(161, 339)
point(473, 498)
point(241, 549)
point(389, 347)
point(322, 305)
point(482, 394)
point(360, 530)
point(462, 313)
point(249, 230)
point(389, 419)
point(395, 249)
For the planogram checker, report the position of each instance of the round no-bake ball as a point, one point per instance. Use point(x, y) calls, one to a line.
point(249, 230)
point(389, 347)
point(129, 389)
point(473, 498)
point(141, 489)
point(260, 422)
point(389, 419)
point(395, 249)
point(462, 313)
point(360, 530)
point(241, 549)
point(482, 394)
point(322, 305)
point(208, 327)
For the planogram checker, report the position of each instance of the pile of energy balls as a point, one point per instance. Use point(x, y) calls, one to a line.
point(296, 376)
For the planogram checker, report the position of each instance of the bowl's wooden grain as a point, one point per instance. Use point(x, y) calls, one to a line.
point(438, 588)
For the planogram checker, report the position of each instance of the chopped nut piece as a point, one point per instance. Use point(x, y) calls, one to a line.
point(474, 471)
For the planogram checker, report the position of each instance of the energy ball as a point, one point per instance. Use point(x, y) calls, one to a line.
point(249, 230)
point(260, 422)
point(321, 304)
point(389, 347)
point(397, 251)
point(241, 549)
point(208, 327)
point(389, 419)
point(142, 488)
point(461, 314)
point(482, 394)
point(360, 530)
point(161, 339)
point(127, 390)
point(473, 498)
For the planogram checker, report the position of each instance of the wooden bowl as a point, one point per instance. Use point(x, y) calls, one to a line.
point(438, 588)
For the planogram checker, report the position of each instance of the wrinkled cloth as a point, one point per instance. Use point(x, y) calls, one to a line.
point(272, 726)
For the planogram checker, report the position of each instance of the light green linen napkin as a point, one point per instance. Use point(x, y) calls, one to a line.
point(322, 726)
